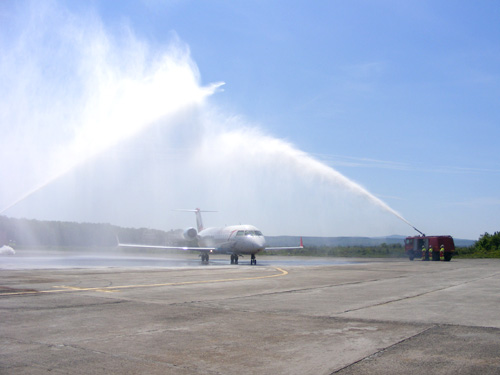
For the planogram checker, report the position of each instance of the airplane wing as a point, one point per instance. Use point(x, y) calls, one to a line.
point(286, 247)
point(283, 248)
point(186, 248)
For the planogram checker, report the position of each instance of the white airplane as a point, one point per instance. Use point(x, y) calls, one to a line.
point(236, 240)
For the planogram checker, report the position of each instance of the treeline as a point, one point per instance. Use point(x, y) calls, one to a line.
point(487, 246)
point(25, 232)
point(381, 251)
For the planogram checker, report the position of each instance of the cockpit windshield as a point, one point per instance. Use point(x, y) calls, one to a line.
point(249, 233)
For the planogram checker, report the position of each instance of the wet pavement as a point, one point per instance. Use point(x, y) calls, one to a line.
point(95, 314)
point(41, 259)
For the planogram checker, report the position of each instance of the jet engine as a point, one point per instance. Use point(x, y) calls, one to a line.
point(190, 233)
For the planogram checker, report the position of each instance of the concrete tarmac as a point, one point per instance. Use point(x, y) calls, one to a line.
point(283, 316)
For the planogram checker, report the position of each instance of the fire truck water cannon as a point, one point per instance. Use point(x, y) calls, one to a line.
point(423, 234)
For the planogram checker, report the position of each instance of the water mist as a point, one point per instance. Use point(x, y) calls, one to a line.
point(127, 132)
point(51, 125)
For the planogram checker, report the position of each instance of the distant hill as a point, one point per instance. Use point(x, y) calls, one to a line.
point(347, 241)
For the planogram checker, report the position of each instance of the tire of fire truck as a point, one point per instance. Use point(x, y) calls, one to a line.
point(435, 256)
point(447, 257)
point(411, 255)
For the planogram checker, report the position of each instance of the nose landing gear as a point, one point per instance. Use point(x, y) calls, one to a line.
point(253, 261)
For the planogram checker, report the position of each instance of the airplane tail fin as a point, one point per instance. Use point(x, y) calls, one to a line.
point(199, 221)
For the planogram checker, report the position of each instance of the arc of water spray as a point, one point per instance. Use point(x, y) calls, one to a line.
point(339, 178)
point(252, 143)
point(85, 147)
point(113, 94)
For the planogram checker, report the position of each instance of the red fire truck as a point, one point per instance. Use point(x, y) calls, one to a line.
point(414, 246)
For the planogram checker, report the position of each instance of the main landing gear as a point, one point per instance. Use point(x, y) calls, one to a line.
point(204, 258)
point(234, 258)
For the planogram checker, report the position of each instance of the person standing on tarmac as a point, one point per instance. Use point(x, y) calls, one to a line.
point(424, 253)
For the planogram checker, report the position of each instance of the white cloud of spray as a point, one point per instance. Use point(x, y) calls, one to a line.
point(100, 127)
point(73, 92)
point(7, 250)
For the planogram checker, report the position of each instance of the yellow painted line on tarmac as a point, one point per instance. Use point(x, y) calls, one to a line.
point(77, 289)
point(110, 289)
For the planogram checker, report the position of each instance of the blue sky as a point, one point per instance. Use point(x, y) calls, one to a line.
point(402, 98)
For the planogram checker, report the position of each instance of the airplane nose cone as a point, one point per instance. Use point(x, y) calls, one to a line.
point(252, 244)
point(259, 244)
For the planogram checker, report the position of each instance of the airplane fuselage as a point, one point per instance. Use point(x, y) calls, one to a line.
point(234, 239)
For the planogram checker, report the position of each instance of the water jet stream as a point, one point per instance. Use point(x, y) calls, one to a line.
point(258, 148)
